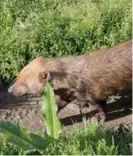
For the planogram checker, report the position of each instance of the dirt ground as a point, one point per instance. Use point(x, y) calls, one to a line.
point(26, 111)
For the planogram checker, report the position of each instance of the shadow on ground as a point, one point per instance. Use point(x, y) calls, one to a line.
point(26, 110)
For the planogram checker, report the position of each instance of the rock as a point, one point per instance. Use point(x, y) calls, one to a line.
point(70, 110)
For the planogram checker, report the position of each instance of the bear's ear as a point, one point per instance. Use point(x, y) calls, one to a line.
point(44, 76)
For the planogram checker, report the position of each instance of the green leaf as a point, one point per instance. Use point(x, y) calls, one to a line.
point(20, 137)
point(49, 113)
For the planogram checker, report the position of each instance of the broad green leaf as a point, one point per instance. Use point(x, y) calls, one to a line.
point(49, 113)
point(20, 137)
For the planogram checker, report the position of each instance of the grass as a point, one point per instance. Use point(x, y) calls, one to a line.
point(93, 140)
point(58, 28)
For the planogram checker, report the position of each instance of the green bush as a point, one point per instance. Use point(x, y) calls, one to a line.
point(58, 28)
point(94, 140)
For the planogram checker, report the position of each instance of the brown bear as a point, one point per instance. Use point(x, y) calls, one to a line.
point(90, 77)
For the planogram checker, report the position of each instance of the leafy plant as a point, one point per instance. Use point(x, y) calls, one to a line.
point(56, 28)
point(18, 136)
point(92, 140)
point(49, 113)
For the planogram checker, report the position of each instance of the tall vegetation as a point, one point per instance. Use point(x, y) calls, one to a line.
point(58, 28)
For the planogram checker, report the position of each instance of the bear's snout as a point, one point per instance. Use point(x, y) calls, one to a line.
point(18, 90)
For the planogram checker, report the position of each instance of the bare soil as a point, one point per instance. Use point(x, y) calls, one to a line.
point(26, 111)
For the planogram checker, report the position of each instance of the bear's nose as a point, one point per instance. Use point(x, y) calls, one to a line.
point(10, 89)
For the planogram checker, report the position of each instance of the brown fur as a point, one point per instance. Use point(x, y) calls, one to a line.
point(90, 77)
